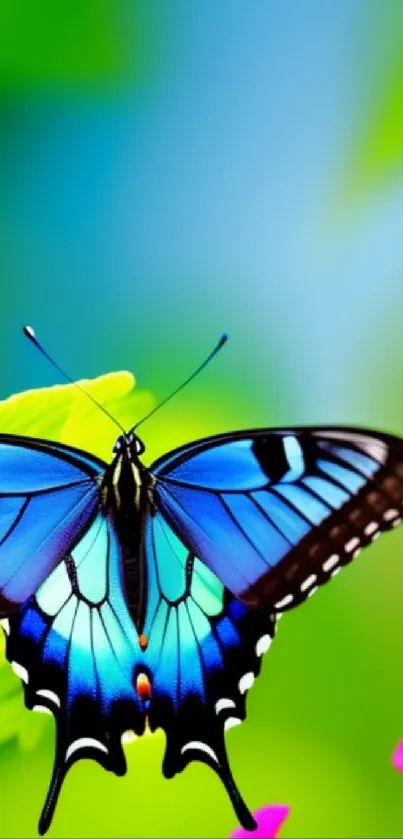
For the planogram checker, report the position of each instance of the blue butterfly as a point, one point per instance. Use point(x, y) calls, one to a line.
point(135, 597)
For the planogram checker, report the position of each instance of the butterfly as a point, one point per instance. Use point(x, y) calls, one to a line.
point(137, 598)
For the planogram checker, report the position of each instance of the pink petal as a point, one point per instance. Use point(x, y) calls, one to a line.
point(269, 820)
point(397, 757)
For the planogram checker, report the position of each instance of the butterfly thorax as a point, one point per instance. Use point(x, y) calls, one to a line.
point(125, 496)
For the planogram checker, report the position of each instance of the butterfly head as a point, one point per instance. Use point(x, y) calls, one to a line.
point(130, 445)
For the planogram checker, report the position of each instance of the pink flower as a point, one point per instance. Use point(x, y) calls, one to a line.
point(397, 757)
point(269, 820)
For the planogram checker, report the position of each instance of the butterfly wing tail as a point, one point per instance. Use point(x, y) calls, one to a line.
point(87, 747)
point(56, 782)
point(218, 761)
point(241, 810)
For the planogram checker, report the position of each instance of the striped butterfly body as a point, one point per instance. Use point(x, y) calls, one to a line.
point(126, 496)
point(134, 597)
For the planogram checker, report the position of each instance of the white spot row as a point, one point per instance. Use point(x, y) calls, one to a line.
point(225, 703)
point(308, 583)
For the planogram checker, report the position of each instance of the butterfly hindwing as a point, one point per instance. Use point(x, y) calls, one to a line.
point(204, 650)
point(276, 513)
point(79, 655)
point(48, 493)
point(75, 648)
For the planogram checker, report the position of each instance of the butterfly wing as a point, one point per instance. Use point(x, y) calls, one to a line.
point(48, 494)
point(204, 649)
point(275, 513)
point(75, 647)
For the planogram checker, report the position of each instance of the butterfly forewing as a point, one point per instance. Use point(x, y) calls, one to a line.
point(276, 513)
point(48, 495)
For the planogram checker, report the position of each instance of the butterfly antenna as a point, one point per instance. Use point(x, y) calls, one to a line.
point(30, 334)
point(223, 340)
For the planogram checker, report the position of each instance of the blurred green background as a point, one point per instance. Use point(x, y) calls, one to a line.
point(170, 170)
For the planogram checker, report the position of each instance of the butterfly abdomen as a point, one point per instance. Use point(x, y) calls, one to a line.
point(125, 497)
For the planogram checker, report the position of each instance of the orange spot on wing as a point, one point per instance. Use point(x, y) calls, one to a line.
point(143, 641)
point(143, 687)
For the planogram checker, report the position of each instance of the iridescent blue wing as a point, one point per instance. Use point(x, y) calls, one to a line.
point(275, 513)
point(76, 649)
point(48, 494)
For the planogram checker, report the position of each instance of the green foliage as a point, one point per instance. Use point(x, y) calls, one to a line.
point(73, 43)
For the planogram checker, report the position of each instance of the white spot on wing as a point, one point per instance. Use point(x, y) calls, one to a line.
point(313, 591)
point(6, 625)
point(20, 671)
point(390, 514)
point(308, 582)
point(352, 544)
point(42, 709)
point(246, 682)
point(201, 747)
point(335, 572)
point(331, 562)
point(263, 644)
point(231, 722)
point(82, 743)
point(284, 602)
point(225, 702)
point(371, 528)
point(48, 694)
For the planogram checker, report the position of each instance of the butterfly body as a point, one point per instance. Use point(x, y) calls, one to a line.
point(126, 495)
